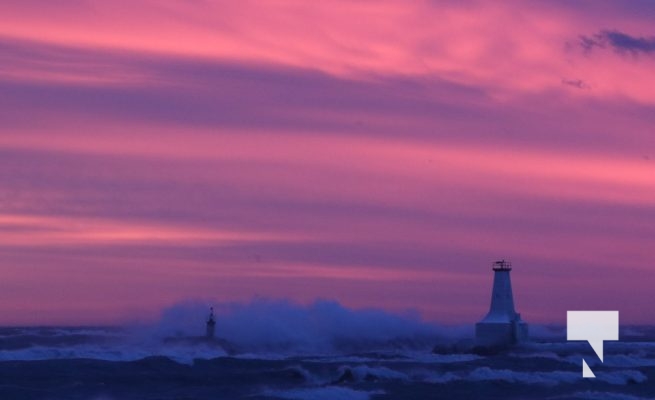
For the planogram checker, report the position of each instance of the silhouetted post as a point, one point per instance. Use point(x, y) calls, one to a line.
point(211, 324)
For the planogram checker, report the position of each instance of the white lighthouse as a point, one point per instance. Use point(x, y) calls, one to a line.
point(503, 325)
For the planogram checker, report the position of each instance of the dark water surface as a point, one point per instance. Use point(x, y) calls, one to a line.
point(101, 363)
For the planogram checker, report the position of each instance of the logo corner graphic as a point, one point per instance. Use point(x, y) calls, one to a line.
point(594, 327)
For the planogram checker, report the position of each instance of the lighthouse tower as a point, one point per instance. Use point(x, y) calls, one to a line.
point(503, 325)
point(211, 324)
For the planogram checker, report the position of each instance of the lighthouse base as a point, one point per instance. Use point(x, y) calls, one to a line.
point(500, 334)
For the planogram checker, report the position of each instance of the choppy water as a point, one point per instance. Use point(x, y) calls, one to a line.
point(112, 363)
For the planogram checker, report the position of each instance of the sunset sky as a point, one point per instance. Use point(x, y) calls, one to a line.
point(378, 153)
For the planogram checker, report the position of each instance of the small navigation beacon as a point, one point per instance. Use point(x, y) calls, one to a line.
point(211, 324)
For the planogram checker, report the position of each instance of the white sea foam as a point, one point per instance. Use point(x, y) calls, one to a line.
point(322, 393)
point(430, 358)
point(307, 376)
point(541, 378)
point(364, 372)
point(113, 352)
point(620, 377)
point(397, 357)
point(629, 360)
point(283, 327)
point(433, 377)
point(591, 395)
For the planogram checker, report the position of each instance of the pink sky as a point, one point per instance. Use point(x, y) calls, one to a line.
point(381, 154)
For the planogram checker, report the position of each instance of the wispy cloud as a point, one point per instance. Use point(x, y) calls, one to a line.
point(228, 150)
point(619, 41)
point(576, 83)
